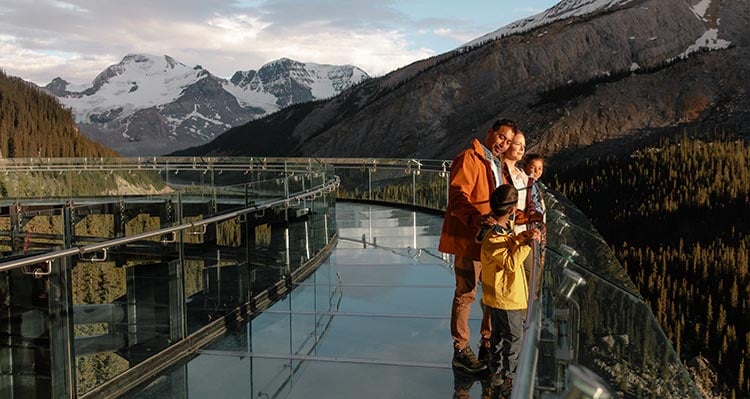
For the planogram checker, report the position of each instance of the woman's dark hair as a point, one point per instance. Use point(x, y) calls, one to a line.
point(503, 199)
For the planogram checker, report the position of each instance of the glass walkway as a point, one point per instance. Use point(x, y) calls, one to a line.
point(246, 278)
point(371, 322)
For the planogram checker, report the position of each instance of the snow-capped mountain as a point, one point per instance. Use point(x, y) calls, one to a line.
point(290, 82)
point(149, 105)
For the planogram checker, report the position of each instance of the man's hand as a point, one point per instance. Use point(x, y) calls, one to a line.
point(487, 221)
point(483, 221)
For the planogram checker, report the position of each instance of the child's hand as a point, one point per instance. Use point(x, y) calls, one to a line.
point(534, 217)
point(536, 234)
point(531, 235)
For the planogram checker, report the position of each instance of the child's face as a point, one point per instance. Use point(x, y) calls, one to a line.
point(535, 168)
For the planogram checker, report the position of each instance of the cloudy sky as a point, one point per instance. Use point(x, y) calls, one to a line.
point(77, 39)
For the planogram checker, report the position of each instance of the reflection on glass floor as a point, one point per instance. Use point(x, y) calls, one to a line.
point(372, 322)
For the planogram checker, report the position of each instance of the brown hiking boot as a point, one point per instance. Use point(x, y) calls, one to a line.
point(467, 361)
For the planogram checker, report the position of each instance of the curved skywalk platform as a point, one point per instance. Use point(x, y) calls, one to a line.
point(227, 287)
point(371, 322)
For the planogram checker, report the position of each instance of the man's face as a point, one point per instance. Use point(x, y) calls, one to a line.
point(499, 140)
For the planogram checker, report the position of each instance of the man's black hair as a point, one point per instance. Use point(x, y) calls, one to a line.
point(504, 122)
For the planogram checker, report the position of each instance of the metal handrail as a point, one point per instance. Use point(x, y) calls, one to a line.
point(328, 187)
point(238, 164)
point(527, 359)
point(523, 383)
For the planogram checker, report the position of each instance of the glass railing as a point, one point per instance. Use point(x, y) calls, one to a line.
point(422, 183)
point(114, 268)
point(598, 320)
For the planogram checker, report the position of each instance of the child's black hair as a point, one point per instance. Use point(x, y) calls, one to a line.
point(503, 199)
point(529, 158)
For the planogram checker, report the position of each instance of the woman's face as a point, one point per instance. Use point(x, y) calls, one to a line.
point(517, 148)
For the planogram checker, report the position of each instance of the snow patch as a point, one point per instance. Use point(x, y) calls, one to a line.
point(710, 40)
point(701, 8)
point(248, 97)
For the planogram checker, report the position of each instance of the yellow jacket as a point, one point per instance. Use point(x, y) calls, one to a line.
point(504, 284)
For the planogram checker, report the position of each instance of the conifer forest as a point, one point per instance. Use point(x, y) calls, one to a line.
point(677, 216)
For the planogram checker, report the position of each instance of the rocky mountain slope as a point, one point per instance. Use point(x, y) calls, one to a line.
point(149, 105)
point(583, 72)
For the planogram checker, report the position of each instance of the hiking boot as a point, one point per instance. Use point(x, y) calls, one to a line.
point(466, 360)
point(462, 384)
point(486, 389)
point(485, 355)
point(502, 383)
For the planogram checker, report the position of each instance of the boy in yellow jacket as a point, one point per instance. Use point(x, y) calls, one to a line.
point(505, 290)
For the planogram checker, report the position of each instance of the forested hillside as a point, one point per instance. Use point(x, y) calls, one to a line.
point(32, 123)
point(678, 218)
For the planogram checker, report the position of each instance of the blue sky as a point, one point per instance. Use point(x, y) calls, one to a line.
point(77, 39)
point(469, 19)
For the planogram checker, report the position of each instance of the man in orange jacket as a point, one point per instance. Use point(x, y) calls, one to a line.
point(475, 173)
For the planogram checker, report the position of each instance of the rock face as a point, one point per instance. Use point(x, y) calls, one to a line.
point(149, 105)
point(625, 69)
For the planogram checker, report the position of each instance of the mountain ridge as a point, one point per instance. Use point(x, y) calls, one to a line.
point(150, 105)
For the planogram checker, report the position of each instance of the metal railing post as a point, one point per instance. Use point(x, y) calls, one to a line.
point(61, 335)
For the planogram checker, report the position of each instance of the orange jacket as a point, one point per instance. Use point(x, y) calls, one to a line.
point(471, 183)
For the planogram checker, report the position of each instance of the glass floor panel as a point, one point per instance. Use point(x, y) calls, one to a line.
point(371, 322)
point(213, 377)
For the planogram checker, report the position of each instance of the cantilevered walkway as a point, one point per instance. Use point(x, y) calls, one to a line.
point(245, 278)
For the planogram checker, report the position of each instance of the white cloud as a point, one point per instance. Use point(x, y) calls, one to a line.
point(41, 67)
point(377, 52)
point(461, 36)
point(68, 6)
point(238, 27)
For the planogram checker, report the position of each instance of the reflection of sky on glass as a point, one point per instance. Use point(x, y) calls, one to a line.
point(383, 334)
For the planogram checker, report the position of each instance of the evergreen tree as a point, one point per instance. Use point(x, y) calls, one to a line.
point(34, 124)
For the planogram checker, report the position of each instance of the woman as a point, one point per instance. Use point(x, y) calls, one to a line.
point(530, 216)
point(517, 177)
